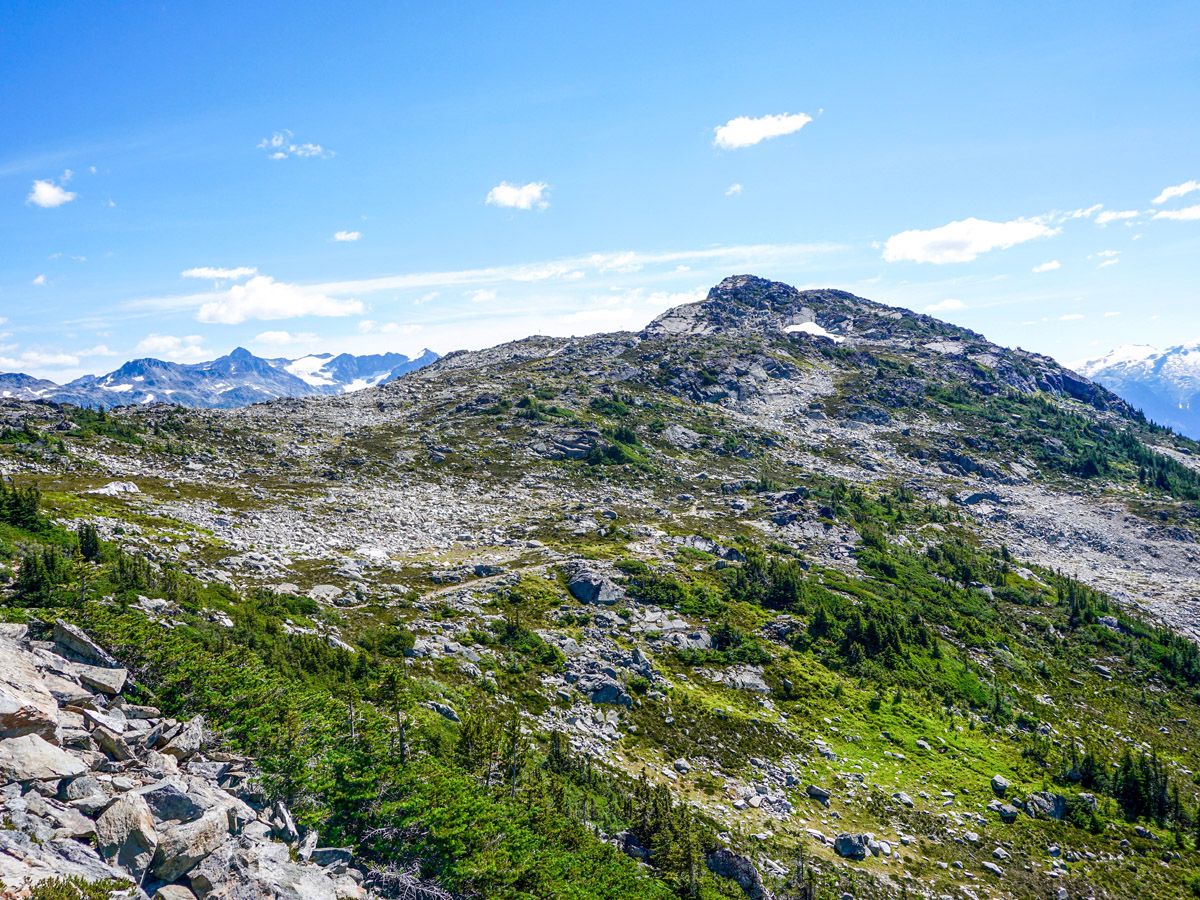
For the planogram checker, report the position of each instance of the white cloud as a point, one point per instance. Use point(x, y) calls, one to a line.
point(1111, 315)
point(1107, 263)
point(1047, 267)
point(218, 274)
point(39, 359)
point(1187, 214)
point(1176, 190)
point(482, 296)
point(707, 263)
point(98, 350)
point(1083, 213)
point(367, 326)
point(262, 297)
point(280, 146)
point(47, 194)
point(1070, 317)
point(963, 241)
point(746, 132)
point(625, 262)
point(344, 236)
point(279, 339)
point(525, 196)
point(1115, 215)
point(1105, 254)
point(950, 304)
point(734, 189)
point(189, 348)
point(40, 280)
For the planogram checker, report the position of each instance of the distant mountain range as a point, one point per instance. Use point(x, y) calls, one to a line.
point(238, 379)
point(1164, 384)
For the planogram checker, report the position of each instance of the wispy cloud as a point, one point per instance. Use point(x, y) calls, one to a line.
point(186, 348)
point(745, 131)
point(524, 196)
point(1175, 191)
point(1187, 214)
point(733, 190)
point(1046, 267)
point(281, 146)
point(964, 240)
point(1116, 215)
point(649, 267)
point(213, 273)
point(719, 260)
point(950, 304)
point(346, 236)
point(39, 280)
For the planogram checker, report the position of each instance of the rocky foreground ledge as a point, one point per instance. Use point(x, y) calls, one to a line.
point(94, 787)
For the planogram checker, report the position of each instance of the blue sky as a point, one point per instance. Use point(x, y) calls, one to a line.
point(175, 177)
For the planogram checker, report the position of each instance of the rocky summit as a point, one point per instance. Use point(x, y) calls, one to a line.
point(790, 594)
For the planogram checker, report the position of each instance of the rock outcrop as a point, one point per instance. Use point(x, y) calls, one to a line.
point(97, 788)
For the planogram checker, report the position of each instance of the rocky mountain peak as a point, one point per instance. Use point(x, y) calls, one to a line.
point(749, 304)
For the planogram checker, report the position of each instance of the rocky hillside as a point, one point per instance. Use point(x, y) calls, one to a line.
point(1165, 384)
point(238, 379)
point(96, 789)
point(789, 594)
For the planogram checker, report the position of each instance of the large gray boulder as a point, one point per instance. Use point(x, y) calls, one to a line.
point(65, 691)
point(73, 643)
point(262, 871)
point(110, 681)
point(589, 586)
point(818, 793)
point(169, 801)
point(32, 758)
point(740, 869)
point(1044, 805)
point(182, 846)
point(610, 692)
point(851, 846)
point(126, 836)
point(188, 742)
point(746, 678)
point(26, 705)
point(1006, 811)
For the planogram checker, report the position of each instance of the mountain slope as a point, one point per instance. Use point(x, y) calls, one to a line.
point(789, 588)
point(1165, 384)
point(238, 379)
